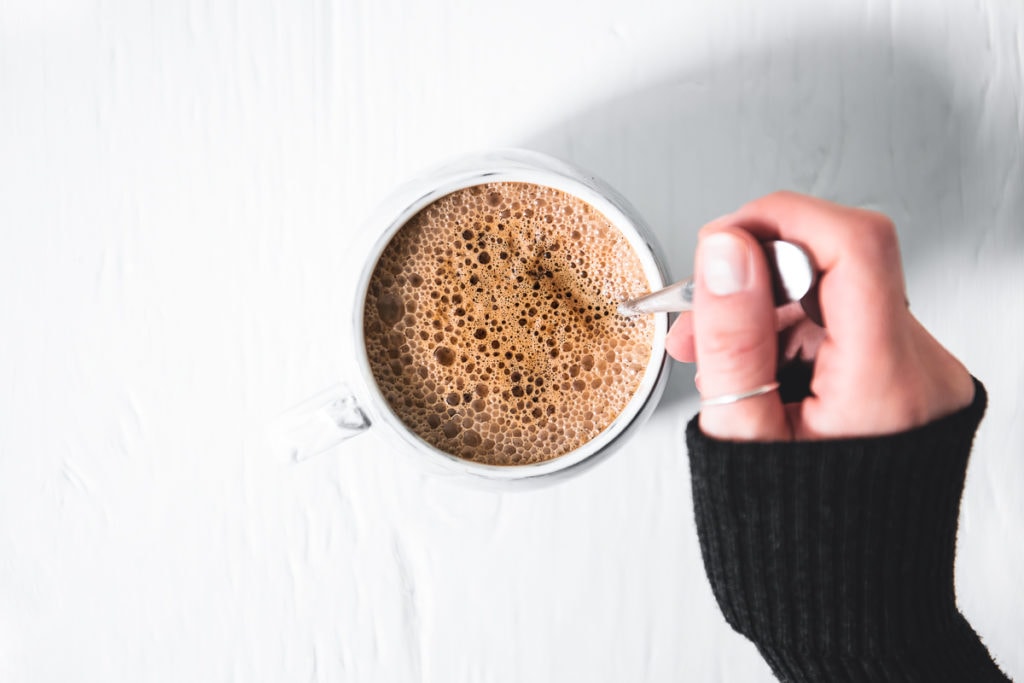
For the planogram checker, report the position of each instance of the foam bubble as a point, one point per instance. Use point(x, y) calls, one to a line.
point(509, 352)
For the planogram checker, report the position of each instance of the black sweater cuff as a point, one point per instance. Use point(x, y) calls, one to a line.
point(836, 557)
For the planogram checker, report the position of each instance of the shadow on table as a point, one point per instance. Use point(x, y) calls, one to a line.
point(859, 121)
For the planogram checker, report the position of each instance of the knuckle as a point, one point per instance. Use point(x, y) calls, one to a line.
point(879, 227)
point(875, 237)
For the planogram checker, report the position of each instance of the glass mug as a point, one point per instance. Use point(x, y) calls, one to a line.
point(346, 410)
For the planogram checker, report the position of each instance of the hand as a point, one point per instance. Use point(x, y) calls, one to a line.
point(876, 370)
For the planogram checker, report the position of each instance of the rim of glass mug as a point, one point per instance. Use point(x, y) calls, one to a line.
point(325, 420)
point(528, 167)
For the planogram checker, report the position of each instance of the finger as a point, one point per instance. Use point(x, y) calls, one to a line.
point(801, 341)
point(679, 342)
point(856, 252)
point(735, 338)
point(788, 315)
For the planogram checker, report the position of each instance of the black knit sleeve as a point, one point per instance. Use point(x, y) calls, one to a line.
point(836, 557)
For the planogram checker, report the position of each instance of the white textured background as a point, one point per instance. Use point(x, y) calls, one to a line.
point(180, 188)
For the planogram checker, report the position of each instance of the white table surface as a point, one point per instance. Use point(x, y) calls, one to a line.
point(181, 190)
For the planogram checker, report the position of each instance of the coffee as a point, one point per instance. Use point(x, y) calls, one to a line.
point(490, 323)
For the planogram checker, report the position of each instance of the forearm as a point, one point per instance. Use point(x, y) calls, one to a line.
point(836, 557)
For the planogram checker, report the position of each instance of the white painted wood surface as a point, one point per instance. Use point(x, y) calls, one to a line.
point(181, 185)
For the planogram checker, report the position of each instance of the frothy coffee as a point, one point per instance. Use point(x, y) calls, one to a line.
point(490, 323)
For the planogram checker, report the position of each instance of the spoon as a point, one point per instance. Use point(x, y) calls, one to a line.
point(792, 278)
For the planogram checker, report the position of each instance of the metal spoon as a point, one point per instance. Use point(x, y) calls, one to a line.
point(792, 277)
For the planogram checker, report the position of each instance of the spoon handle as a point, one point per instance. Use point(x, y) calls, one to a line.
point(792, 278)
point(672, 299)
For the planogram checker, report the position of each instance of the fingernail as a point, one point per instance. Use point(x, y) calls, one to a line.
point(724, 262)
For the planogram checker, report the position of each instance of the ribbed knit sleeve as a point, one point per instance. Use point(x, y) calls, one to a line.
point(836, 557)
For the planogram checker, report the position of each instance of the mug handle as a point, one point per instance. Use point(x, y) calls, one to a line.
point(319, 423)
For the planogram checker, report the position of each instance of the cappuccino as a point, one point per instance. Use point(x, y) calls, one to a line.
point(491, 328)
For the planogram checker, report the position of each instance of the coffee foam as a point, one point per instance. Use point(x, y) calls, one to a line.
point(490, 323)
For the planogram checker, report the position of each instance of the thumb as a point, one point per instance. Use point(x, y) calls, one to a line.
point(735, 338)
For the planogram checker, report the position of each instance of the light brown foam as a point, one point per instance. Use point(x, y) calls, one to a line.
point(491, 328)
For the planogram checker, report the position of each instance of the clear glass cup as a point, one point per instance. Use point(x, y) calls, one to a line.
point(346, 410)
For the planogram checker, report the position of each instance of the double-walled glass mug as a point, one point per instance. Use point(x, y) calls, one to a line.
point(346, 410)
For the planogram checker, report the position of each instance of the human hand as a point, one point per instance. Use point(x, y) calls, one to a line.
point(876, 370)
